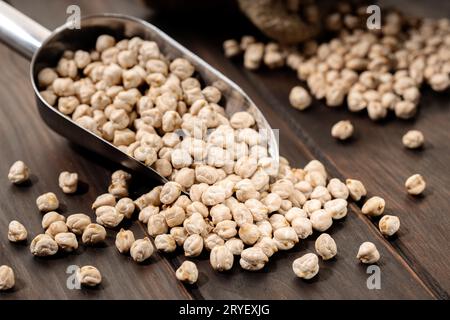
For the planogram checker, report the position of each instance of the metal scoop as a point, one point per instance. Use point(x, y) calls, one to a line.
point(44, 48)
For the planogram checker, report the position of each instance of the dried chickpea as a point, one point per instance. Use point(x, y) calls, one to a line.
point(124, 240)
point(157, 225)
point(7, 279)
point(249, 233)
point(231, 48)
point(235, 245)
point(321, 220)
point(326, 246)
point(16, 231)
point(342, 130)
point(89, 276)
point(253, 259)
point(226, 229)
point(93, 233)
point(43, 245)
point(221, 258)
point(141, 249)
point(76, 223)
point(212, 240)
point(55, 228)
point(338, 189)
point(19, 172)
point(253, 55)
point(187, 272)
point(67, 241)
point(193, 245)
point(389, 225)
point(337, 208)
point(321, 193)
point(47, 202)
point(46, 77)
point(302, 226)
point(68, 182)
point(356, 189)
point(368, 253)
point(174, 216)
point(285, 238)
point(165, 243)
point(170, 192)
point(272, 202)
point(374, 206)
point(104, 42)
point(413, 139)
point(415, 184)
point(108, 216)
point(299, 98)
point(195, 224)
point(307, 266)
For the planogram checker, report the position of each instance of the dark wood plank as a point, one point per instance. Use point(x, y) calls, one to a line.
point(342, 278)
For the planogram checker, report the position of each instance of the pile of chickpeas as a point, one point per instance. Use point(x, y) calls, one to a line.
point(241, 203)
point(375, 71)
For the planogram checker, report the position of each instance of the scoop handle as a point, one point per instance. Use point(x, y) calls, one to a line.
point(19, 32)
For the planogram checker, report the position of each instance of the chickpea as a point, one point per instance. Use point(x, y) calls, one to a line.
point(55, 228)
point(17, 231)
point(170, 192)
point(342, 130)
point(236, 246)
point(321, 220)
point(125, 207)
point(7, 278)
point(253, 259)
point(89, 276)
point(337, 208)
point(104, 42)
point(321, 193)
point(326, 246)
point(221, 258)
point(43, 245)
point(165, 243)
point(253, 55)
point(413, 139)
point(356, 189)
point(174, 216)
point(278, 221)
point(302, 226)
point(193, 245)
point(389, 225)
point(197, 207)
point(93, 233)
point(213, 195)
point(226, 229)
point(68, 182)
point(187, 272)
point(124, 240)
point(285, 238)
point(295, 212)
point(249, 233)
point(368, 253)
point(76, 223)
point(108, 216)
point(46, 77)
point(265, 228)
point(141, 249)
point(157, 225)
point(19, 172)
point(182, 68)
point(272, 202)
point(241, 120)
point(67, 241)
point(195, 224)
point(415, 185)
point(47, 202)
point(374, 206)
point(307, 266)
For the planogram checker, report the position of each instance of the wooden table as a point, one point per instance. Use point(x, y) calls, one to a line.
point(413, 265)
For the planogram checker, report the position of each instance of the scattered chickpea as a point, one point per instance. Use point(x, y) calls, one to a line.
point(165, 243)
point(89, 276)
point(67, 241)
point(368, 253)
point(141, 249)
point(221, 258)
point(307, 266)
point(187, 272)
point(373, 207)
point(342, 130)
point(47, 202)
point(18, 173)
point(55, 228)
point(356, 189)
point(7, 278)
point(326, 246)
point(93, 233)
point(415, 185)
point(124, 240)
point(413, 139)
point(253, 259)
point(17, 232)
point(299, 98)
point(68, 182)
point(77, 223)
point(389, 225)
point(43, 245)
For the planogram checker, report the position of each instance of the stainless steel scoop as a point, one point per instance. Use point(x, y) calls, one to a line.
point(44, 48)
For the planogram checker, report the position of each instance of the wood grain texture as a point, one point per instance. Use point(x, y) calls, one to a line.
point(414, 265)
